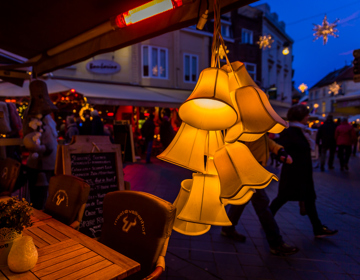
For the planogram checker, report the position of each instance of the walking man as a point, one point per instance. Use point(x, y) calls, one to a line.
point(345, 137)
point(325, 138)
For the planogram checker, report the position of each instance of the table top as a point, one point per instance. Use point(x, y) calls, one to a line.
point(65, 253)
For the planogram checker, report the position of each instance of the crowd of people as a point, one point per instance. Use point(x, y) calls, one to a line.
point(293, 149)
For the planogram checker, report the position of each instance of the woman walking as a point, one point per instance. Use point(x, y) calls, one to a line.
point(296, 179)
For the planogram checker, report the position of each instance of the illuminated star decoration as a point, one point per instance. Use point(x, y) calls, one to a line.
point(265, 42)
point(222, 52)
point(334, 88)
point(303, 87)
point(325, 30)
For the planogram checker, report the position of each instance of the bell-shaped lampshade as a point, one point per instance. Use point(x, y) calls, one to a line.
point(238, 76)
point(203, 205)
point(237, 168)
point(241, 198)
point(256, 114)
point(191, 147)
point(209, 106)
point(184, 227)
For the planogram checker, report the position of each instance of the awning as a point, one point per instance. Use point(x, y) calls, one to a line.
point(113, 94)
point(56, 34)
point(281, 108)
point(348, 104)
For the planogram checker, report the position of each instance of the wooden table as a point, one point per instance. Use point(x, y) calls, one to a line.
point(65, 253)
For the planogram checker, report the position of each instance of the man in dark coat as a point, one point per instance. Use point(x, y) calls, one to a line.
point(296, 179)
point(325, 138)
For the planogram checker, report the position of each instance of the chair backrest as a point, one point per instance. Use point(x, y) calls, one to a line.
point(9, 172)
point(137, 224)
point(66, 196)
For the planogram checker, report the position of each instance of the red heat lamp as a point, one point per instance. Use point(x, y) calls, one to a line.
point(110, 114)
point(72, 90)
point(145, 11)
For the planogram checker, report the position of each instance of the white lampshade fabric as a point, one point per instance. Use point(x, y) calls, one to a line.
point(256, 116)
point(184, 227)
point(191, 147)
point(203, 205)
point(237, 168)
point(209, 106)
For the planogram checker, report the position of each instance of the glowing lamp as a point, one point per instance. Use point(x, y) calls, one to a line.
point(209, 106)
point(72, 90)
point(145, 11)
point(238, 76)
point(256, 116)
point(110, 114)
point(285, 51)
point(191, 147)
point(237, 168)
point(203, 205)
point(184, 227)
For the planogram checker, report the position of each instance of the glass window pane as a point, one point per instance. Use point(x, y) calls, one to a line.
point(162, 63)
point(187, 68)
point(154, 62)
point(193, 69)
point(146, 61)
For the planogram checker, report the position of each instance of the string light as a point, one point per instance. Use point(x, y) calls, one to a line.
point(325, 29)
point(265, 42)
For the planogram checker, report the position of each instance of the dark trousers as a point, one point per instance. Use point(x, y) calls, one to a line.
point(149, 145)
point(344, 152)
point(323, 156)
point(310, 208)
point(260, 202)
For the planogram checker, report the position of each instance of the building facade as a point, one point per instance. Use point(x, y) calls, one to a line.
point(333, 87)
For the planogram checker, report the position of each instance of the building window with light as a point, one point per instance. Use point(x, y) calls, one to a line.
point(191, 67)
point(323, 107)
point(251, 68)
point(246, 36)
point(154, 62)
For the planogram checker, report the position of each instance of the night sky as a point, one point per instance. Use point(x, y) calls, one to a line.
point(313, 60)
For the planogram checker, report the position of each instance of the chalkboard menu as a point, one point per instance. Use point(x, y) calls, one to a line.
point(99, 171)
point(98, 162)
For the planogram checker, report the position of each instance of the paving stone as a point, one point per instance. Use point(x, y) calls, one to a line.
point(257, 272)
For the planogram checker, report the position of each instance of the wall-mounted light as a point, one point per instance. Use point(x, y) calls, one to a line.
point(286, 50)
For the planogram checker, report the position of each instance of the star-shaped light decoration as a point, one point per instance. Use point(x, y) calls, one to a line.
point(325, 30)
point(303, 87)
point(334, 88)
point(223, 52)
point(265, 42)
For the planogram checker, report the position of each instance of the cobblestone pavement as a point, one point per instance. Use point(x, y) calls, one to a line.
point(211, 256)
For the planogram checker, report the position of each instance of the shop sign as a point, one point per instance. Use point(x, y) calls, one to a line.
point(103, 66)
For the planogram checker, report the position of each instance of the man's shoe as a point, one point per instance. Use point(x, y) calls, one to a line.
point(234, 235)
point(284, 250)
point(324, 232)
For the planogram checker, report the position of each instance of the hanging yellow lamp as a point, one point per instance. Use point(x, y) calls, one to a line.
point(238, 75)
point(257, 116)
point(242, 197)
point(185, 227)
point(191, 147)
point(203, 205)
point(237, 168)
point(210, 107)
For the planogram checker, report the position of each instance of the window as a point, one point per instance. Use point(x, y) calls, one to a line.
point(246, 36)
point(316, 94)
point(324, 92)
point(190, 68)
point(323, 107)
point(154, 62)
point(225, 30)
point(311, 96)
point(251, 68)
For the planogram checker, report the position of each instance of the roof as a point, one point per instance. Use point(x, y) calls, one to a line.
point(56, 34)
point(345, 73)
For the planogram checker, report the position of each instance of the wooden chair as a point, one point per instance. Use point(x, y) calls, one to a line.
point(138, 225)
point(67, 199)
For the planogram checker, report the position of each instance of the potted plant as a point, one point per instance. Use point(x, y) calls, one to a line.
point(15, 215)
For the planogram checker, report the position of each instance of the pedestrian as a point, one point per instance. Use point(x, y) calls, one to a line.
point(345, 137)
point(72, 129)
point(260, 201)
point(86, 126)
point(325, 139)
point(97, 126)
point(296, 179)
point(356, 127)
point(166, 129)
point(147, 132)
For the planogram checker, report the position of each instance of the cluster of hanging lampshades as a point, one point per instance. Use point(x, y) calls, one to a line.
point(225, 108)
